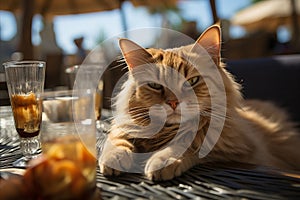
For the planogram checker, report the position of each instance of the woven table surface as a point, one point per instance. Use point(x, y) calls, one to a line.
point(213, 181)
point(210, 181)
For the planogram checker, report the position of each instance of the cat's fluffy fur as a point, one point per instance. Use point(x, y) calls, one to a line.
point(253, 132)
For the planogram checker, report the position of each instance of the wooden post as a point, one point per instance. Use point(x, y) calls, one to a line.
point(214, 11)
point(296, 32)
point(25, 43)
point(123, 17)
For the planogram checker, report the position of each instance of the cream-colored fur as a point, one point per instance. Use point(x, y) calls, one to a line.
point(254, 132)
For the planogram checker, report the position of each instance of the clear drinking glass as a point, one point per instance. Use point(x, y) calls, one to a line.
point(89, 76)
point(25, 83)
point(68, 138)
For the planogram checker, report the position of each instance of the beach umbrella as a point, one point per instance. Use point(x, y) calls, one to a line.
point(268, 15)
point(50, 8)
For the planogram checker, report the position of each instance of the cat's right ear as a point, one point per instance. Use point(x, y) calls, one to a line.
point(134, 54)
point(210, 40)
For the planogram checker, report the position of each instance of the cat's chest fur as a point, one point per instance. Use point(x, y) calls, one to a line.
point(155, 142)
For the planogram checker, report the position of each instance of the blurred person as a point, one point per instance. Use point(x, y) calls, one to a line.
point(48, 45)
point(49, 51)
point(81, 53)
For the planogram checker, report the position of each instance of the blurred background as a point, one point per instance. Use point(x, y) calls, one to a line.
point(62, 32)
point(41, 28)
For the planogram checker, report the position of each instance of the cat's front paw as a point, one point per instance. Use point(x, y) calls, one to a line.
point(115, 162)
point(163, 168)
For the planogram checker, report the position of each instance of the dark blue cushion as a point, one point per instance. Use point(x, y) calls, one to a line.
point(274, 78)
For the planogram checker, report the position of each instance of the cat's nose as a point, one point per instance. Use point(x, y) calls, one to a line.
point(173, 103)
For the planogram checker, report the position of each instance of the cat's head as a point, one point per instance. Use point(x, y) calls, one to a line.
point(171, 84)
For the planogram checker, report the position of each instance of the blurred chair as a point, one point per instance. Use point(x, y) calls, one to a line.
point(4, 98)
point(54, 71)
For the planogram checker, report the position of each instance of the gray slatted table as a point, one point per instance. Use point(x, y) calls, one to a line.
point(214, 181)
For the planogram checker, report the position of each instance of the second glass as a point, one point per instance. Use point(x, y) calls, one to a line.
point(68, 140)
point(25, 83)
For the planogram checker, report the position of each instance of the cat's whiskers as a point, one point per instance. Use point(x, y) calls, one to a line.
point(138, 109)
point(214, 115)
point(121, 63)
point(140, 117)
point(140, 114)
point(206, 111)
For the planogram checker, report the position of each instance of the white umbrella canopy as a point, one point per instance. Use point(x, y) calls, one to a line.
point(65, 7)
point(50, 8)
point(267, 15)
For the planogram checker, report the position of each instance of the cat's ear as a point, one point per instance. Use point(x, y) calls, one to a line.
point(134, 54)
point(210, 40)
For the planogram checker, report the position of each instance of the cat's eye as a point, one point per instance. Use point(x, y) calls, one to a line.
point(192, 81)
point(155, 86)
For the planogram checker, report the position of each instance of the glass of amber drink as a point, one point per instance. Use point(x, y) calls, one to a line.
point(68, 144)
point(25, 83)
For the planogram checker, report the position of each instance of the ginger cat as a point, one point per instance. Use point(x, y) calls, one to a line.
point(180, 107)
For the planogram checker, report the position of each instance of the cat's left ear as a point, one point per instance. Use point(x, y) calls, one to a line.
point(134, 54)
point(210, 40)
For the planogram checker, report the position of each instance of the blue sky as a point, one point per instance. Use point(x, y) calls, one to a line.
point(90, 26)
